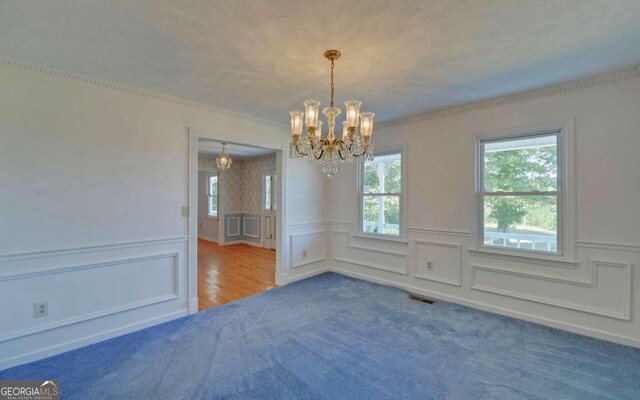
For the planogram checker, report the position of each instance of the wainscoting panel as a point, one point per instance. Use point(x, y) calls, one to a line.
point(312, 238)
point(445, 260)
point(91, 293)
point(251, 227)
point(370, 256)
point(307, 248)
point(150, 280)
point(242, 228)
point(232, 226)
point(608, 294)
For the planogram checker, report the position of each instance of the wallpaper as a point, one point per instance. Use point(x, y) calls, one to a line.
point(252, 172)
point(241, 185)
point(207, 227)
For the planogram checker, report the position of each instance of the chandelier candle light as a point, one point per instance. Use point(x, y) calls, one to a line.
point(223, 161)
point(331, 152)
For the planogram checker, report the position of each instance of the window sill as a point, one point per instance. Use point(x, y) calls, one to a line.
point(210, 217)
point(530, 258)
point(381, 237)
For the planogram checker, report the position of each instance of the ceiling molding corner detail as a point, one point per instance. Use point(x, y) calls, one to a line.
point(559, 88)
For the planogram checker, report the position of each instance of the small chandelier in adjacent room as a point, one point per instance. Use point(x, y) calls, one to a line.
point(223, 161)
point(330, 151)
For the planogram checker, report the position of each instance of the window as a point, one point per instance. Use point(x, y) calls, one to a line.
point(381, 194)
point(269, 196)
point(518, 189)
point(212, 196)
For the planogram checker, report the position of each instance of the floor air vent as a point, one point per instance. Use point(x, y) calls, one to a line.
point(415, 297)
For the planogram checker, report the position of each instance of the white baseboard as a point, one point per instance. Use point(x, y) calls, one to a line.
point(625, 340)
point(193, 306)
point(307, 275)
point(208, 239)
point(87, 340)
point(231, 243)
point(252, 243)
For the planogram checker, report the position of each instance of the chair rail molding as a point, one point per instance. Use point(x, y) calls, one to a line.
point(608, 246)
point(90, 248)
point(439, 231)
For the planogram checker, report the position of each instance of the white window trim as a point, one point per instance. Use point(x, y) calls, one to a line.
point(209, 175)
point(566, 193)
point(403, 197)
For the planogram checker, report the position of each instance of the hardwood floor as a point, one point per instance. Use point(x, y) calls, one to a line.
point(229, 273)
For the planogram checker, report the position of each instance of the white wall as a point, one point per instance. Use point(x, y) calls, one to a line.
point(593, 297)
point(93, 176)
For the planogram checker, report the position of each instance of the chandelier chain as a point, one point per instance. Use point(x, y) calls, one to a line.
point(332, 83)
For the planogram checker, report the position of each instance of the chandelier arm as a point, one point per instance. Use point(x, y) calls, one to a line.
point(300, 152)
point(363, 152)
point(341, 147)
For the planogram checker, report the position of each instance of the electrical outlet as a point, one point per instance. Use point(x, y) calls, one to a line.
point(40, 309)
point(429, 266)
point(304, 253)
point(185, 211)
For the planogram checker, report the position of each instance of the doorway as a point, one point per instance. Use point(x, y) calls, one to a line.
point(236, 227)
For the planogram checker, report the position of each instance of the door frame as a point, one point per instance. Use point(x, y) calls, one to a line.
point(281, 162)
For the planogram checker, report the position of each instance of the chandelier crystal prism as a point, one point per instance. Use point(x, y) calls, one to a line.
point(223, 161)
point(330, 152)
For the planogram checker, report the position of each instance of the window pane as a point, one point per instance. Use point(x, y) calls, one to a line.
point(383, 174)
point(528, 164)
point(212, 203)
point(213, 186)
point(267, 192)
point(381, 215)
point(522, 222)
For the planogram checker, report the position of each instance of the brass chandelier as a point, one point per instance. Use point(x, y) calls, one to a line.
point(331, 152)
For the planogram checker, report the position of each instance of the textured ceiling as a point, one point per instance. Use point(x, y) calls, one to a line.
point(211, 148)
point(264, 58)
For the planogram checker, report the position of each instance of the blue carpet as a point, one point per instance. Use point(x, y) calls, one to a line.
point(333, 337)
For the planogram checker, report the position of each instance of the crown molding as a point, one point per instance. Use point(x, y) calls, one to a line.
point(599, 80)
point(571, 86)
point(65, 74)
